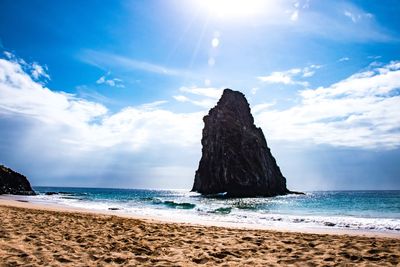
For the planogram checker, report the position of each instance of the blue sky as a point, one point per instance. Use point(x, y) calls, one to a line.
point(113, 94)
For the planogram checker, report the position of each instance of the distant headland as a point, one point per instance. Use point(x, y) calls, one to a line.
point(12, 182)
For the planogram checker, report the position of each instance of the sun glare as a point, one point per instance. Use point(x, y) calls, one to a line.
point(232, 8)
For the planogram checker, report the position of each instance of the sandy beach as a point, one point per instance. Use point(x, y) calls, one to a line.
point(33, 235)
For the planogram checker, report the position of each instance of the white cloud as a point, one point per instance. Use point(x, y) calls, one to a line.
point(101, 80)
point(20, 94)
point(285, 77)
point(340, 20)
point(374, 57)
point(113, 82)
point(205, 103)
point(72, 137)
point(181, 98)
point(350, 15)
point(254, 90)
point(290, 77)
point(344, 59)
point(337, 20)
point(153, 105)
point(360, 111)
point(203, 91)
point(310, 70)
point(308, 73)
point(89, 124)
point(39, 72)
point(8, 55)
point(260, 107)
point(105, 60)
point(356, 16)
point(146, 145)
point(205, 97)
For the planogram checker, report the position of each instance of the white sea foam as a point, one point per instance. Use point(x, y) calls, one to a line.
point(204, 213)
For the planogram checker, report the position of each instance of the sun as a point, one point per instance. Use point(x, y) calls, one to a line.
point(232, 8)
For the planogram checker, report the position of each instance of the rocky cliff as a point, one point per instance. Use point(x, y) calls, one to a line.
point(235, 156)
point(14, 183)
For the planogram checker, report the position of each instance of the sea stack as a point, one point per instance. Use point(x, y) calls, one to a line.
point(12, 182)
point(235, 157)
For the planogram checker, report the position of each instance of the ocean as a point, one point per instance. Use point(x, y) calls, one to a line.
point(375, 211)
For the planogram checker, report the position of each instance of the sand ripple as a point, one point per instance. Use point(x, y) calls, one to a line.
point(42, 237)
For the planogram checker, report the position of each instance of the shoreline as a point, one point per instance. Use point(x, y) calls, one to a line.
point(35, 235)
point(13, 201)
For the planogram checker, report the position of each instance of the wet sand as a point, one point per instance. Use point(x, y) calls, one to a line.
point(32, 235)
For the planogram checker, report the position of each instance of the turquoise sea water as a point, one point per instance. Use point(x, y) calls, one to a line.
point(356, 210)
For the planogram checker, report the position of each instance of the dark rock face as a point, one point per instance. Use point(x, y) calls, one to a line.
point(14, 183)
point(235, 156)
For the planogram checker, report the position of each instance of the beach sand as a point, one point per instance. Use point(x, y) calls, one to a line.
point(31, 236)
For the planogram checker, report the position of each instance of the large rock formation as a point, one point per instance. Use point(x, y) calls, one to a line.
point(12, 182)
point(235, 156)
